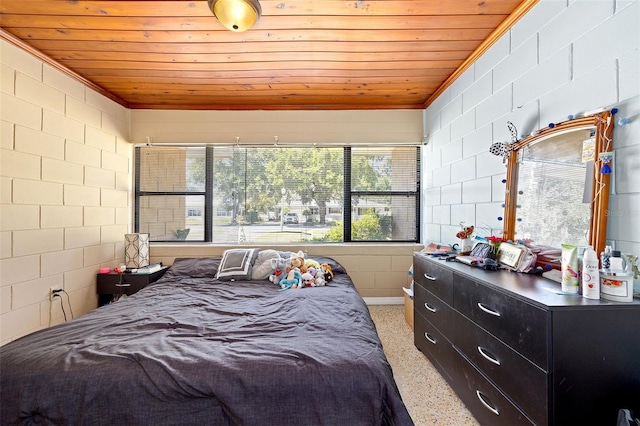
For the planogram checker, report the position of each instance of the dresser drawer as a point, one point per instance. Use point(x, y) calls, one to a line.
point(435, 278)
point(523, 381)
point(433, 309)
point(434, 346)
point(488, 405)
point(518, 324)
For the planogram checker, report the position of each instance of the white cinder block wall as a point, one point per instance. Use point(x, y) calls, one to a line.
point(563, 57)
point(65, 178)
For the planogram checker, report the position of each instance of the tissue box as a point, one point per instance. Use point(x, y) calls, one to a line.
point(408, 309)
point(136, 250)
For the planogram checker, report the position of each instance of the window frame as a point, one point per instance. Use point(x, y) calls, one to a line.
point(348, 195)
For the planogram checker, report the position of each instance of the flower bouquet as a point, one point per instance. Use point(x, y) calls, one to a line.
point(494, 242)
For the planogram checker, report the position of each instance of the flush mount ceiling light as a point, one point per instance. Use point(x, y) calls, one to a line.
point(236, 15)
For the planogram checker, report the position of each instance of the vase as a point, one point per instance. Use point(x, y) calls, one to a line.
point(466, 244)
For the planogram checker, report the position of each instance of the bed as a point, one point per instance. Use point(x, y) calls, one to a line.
point(192, 349)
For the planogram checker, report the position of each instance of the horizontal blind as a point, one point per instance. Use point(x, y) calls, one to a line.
point(384, 193)
point(170, 193)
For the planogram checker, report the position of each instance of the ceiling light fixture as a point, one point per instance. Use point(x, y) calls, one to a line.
point(236, 15)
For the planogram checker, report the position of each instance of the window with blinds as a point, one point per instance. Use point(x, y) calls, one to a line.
point(232, 194)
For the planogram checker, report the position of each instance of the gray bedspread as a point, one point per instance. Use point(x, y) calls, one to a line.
point(189, 349)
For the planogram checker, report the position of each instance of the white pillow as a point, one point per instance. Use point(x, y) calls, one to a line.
point(236, 264)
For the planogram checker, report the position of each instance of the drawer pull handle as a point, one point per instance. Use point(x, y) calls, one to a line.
point(487, 310)
point(123, 285)
point(429, 307)
point(485, 354)
point(429, 277)
point(429, 338)
point(486, 404)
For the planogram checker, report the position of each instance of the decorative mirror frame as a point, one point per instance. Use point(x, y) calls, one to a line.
point(602, 123)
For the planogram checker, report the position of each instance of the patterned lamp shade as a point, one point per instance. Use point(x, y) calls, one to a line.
point(136, 250)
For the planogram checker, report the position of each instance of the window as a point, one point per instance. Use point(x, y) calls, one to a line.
point(231, 194)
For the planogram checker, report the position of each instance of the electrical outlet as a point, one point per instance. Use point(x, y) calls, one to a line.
point(56, 288)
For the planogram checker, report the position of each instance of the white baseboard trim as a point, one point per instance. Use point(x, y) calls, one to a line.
point(384, 300)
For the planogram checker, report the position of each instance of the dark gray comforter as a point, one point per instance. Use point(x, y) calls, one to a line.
point(192, 350)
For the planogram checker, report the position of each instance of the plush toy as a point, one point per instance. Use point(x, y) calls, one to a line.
point(293, 279)
point(279, 267)
point(298, 262)
point(308, 280)
point(308, 263)
point(327, 272)
point(318, 277)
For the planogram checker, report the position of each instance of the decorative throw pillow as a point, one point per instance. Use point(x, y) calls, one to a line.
point(262, 267)
point(236, 264)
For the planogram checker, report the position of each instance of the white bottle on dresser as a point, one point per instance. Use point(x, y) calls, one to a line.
point(590, 275)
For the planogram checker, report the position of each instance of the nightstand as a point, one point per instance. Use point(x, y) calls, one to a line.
point(109, 284)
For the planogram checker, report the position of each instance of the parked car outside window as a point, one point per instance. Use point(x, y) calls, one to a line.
point(291, 218)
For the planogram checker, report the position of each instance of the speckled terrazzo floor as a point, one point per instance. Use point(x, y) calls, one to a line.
point(428, 397)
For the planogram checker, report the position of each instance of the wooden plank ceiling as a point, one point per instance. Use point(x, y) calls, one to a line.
point(300, 55)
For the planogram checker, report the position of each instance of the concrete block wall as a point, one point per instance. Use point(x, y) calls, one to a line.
point(562, 58)
point(65, 184)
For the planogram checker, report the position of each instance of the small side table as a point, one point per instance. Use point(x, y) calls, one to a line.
point(109, 285)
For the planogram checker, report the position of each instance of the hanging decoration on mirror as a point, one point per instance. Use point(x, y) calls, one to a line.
point(504, 148)
point(606, 158)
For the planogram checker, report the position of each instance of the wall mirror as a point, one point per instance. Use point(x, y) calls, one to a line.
point(556, 191)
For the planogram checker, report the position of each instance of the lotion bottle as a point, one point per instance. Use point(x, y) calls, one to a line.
point(617, 262)
point(590, 275)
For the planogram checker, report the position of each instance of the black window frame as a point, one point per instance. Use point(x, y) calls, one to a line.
point(348, 195)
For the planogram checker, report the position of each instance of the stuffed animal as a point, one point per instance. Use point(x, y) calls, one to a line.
point(279, 267)
point(293, 279)
point(308, 263)
point(327, 272)
point(298, 262)
point(308, 280)
point(318, 277)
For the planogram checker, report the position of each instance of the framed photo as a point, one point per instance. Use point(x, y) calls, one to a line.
point(509, 255)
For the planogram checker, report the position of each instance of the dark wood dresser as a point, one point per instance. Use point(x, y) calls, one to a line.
point(517, 352)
